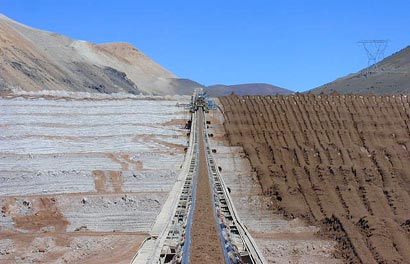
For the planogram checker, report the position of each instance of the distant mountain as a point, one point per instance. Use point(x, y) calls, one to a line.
point(246, 89)
point(393, 77)
point(32, 59)
point(184, 86)
point(187, 86)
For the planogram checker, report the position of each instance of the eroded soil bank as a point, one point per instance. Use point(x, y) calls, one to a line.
point(280, 240)
point(338, 161)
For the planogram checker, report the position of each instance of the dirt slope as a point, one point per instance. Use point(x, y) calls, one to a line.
point(32, 59)
point(340, 161)
point(393, 78)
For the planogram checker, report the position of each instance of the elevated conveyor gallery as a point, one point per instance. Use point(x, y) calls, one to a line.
point(171, 239)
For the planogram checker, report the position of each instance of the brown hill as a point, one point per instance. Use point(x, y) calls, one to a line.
point(393, 77)
point(32, 59)
point(187, 87)
point(184, 86)
point(246, 89)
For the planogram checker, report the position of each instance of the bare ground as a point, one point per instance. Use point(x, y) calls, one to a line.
point(280, 240)
point(338, 161)
point(64, 199)
point(68, 247)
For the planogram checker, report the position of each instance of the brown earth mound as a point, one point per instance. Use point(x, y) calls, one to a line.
point(341, 161)
point(48, 216)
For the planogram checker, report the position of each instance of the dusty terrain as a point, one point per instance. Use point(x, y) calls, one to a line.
point(33, 59)
point(338, 161)
point(280, 240)
point(392, 77)
point(205, 246)
point(82, 181)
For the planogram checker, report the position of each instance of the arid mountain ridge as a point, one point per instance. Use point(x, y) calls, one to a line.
point(391, 77)
point(33, 59)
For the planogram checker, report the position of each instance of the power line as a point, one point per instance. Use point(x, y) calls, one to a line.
point(375, 49)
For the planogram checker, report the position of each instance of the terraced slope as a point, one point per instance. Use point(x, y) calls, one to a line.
point(341, 161)
point(82, 180)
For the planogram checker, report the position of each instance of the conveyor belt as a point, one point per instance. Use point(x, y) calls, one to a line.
point(238, 245)
point(170, 238)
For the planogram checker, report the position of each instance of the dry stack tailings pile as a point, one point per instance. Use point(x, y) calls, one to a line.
point(339, 160)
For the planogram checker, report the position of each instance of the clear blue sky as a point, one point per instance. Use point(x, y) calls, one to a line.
point(294, 44)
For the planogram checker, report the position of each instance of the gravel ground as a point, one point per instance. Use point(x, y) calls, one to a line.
point(83, 180)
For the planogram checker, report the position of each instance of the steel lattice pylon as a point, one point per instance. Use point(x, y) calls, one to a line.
point(375, 52)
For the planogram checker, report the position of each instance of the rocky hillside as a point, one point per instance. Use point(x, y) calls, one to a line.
point(32, 59)
point(393, 77)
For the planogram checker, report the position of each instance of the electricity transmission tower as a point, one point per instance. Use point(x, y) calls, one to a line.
point(375, 52)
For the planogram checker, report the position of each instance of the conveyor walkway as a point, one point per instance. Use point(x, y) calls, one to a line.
point(198, 222)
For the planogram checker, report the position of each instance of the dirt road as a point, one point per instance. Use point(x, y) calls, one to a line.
point(206, 246)
point(338, 161)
